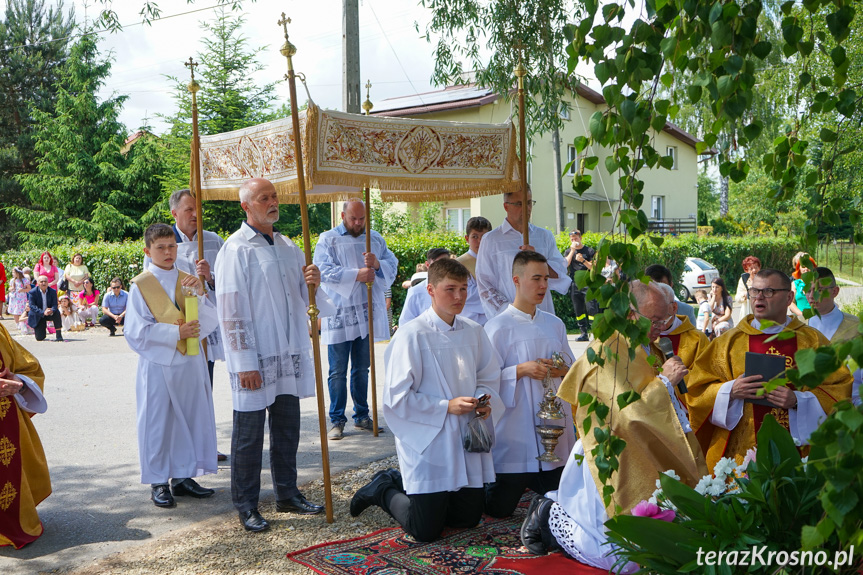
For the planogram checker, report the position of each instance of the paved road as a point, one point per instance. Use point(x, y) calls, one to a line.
point(99, 506)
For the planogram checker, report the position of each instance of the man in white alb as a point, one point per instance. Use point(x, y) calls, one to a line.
point(498, 248)
point(474, 230)
point(418, 300)
point(262, 280)
point(345, 267)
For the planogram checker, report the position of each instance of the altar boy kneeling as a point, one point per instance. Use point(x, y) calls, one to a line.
point(176, 426)
point(437, 369)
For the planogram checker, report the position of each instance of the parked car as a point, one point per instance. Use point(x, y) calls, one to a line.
point(697, 274)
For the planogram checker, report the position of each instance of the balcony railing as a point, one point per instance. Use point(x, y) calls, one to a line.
point(672, 226)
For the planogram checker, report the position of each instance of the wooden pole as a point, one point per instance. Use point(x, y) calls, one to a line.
point(367, 107)
point(195, 180)
point(521, 72)
point(288, 50)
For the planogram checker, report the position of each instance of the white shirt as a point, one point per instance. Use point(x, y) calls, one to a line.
point(517, 337)
point(416, 302)
point(473, 306)
point(494, 266)
point(828, 323)
point(428, 363)
point(802, 420)
point(339, 256)
point(263, 303)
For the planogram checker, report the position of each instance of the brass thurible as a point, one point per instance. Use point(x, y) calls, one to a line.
point(550, 409)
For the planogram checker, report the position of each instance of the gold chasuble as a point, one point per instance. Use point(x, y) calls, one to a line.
point(655, 440)
point(725, 360)
point(161, 306)
point(24, 479)
point(469, 262)
point(847, 329)
point(688, 342)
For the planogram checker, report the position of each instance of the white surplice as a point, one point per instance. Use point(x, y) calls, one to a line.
point(578, 516)
point(802, 420)
point(187, 255)
point(827, 324)
point(263, 303)
point(176, 426)
point(417, 301)
point(473, 306)
point(518, 338)
point(494, 266)
point(428, 363)
point(339, 256)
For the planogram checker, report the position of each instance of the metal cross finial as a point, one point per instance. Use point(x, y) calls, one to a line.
point(191, 65)
point(284, 24)
point(368, 87)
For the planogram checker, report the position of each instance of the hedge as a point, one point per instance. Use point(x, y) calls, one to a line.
point(123, 260)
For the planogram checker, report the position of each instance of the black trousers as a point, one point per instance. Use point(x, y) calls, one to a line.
point(110, 323)
point(579, 306)
point(502, 496)
point(424, 515)
point(42, 327)
point(247, 446)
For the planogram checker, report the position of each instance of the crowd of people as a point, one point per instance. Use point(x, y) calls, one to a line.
point(478, 348)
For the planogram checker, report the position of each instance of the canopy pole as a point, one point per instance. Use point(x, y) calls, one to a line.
point(367, 107)
point(288, 50)
point(195, 180)
point(521, 72)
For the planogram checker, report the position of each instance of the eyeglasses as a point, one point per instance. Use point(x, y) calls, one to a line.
point(766, 292)
point(658, 323)
point(531, 203)
point(115, 287)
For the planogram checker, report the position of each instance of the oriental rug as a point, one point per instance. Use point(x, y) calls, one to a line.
point(492, 548)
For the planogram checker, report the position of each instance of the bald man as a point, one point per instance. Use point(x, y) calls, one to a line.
point(346, 268)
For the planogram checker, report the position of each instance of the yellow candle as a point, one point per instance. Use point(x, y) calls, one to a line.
point(192, 346)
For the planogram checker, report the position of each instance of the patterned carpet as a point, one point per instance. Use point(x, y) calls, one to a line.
point(491, 548)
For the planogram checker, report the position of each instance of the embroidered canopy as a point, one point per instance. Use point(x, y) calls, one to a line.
point(408, 160)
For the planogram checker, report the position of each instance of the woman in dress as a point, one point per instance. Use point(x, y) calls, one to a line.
point(47, 267)
point(75, 273)
point(18, 288)
point(88, 303)
point(721, 306)
point(802, 264)
point(751, 267)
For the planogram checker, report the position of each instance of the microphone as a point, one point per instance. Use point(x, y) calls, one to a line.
point(667, 348)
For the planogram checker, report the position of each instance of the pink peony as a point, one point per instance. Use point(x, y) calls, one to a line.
point(648, 509)
point(749, 457)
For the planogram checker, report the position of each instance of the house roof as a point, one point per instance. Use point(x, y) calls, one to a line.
point(472, 96)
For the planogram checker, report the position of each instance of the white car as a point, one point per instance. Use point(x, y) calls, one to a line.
point(697, 274)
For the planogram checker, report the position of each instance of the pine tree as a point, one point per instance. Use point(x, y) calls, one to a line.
point(85, 187)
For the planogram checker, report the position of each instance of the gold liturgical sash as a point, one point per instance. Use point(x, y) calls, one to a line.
point(469, 262)
point(161, 306)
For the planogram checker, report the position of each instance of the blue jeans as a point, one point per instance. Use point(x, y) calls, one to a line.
point(338, 354)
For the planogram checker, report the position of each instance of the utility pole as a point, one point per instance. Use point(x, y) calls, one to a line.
point(351, 56)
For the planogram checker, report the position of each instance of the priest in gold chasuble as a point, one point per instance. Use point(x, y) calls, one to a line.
point(657, 434)
point(24, 480)
point(725, 422)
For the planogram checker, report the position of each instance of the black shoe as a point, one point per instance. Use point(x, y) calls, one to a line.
point(161, 496)
point(191, 488)
point(298, 504)
point(221, 456)
point(367, 495)
point(252, 521)
point(583, 337)
point(535, 525)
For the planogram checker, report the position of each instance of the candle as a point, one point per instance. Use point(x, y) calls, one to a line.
point(192, 346)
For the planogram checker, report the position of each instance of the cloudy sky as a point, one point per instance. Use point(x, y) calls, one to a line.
point(393, 55)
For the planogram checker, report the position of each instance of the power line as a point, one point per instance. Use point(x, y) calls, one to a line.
point(416, 92)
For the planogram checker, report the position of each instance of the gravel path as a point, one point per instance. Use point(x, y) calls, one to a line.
point(221, 546)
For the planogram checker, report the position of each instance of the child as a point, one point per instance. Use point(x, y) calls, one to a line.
point(176, 426)
point(68, 313)
point(525, 338)
point(23, 327)
point(438, 365)
point(702, 323)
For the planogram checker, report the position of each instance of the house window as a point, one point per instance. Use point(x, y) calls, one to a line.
point(672, 151)
point(456, 219)
point(658, 205)
point(564, 111)
point(572, 156)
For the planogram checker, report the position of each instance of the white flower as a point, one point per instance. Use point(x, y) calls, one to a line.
point(653, 500)
point(797, 442)
point(804, 461)
point(671, 473)
point(658, 485)
point(724, 467)
point(702, 485)
point(740, 470)
point(716, 487)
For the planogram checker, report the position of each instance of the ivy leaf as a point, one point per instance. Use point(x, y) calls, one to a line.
point(580, 143)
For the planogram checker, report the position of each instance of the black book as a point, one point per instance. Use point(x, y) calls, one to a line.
point(766, 365)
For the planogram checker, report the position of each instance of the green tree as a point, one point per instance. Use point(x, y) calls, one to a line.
point(229, 99)
point(33, 45)
point(708, 199)
point(84, 187)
